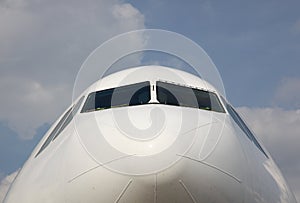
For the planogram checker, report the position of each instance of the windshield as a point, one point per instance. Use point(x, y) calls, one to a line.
point(139, 93)
point(129, 95)
point(177, 95)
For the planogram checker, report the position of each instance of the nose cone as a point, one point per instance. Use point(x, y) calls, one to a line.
point(185, 181)
point(142, 139)
point(158, 161)
point(146, 155)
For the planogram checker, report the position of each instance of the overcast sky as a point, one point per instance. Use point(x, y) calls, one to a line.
point(254, 44)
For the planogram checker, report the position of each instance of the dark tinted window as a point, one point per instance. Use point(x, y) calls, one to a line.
point(70, 117)
point(129, 95)
point(176, 95)
point(63, 122)
point(239, 121)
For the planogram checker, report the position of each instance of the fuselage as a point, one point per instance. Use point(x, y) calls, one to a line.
point(150, 134)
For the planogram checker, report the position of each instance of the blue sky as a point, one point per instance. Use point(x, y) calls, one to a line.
point(254, 44)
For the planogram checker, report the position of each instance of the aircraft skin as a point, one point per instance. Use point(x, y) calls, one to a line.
point(170, 153)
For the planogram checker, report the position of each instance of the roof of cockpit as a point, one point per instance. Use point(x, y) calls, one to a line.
point(150, 73)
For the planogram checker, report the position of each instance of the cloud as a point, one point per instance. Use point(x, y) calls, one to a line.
point(279, 131)
point(287, 93)
point(126, 13)
point(26, 104)
point(5, 183)
point(43, 44)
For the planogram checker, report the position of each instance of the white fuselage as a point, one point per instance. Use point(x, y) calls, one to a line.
point(150, 150)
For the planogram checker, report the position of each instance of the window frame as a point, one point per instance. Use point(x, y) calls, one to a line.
point(243, 126)
point(63, 122)
point(211, 95)
point(92, 97)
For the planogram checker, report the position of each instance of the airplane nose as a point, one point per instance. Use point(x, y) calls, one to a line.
point(141, 139)
point(185, 181)
point(162, 187)
point(141, 151)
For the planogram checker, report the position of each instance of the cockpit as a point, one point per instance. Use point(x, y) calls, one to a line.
point(159, 93)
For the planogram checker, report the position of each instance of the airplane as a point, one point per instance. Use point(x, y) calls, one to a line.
point(150, 134)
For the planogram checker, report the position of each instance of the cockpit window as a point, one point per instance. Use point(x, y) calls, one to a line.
point(69, 118)
point(129, 95)
point(242, 125)
point(62, 124)
point(177, 95)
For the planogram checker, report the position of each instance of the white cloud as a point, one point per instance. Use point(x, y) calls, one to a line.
point(27, 104)
point(43, 44)
point(127, 11)
point(5, 183)
point(279, 131)
point(288, 92)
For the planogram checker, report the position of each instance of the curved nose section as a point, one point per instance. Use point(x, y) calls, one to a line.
point(144, 154)
point(185, 181)
point(142, 139)
point(93, 166)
